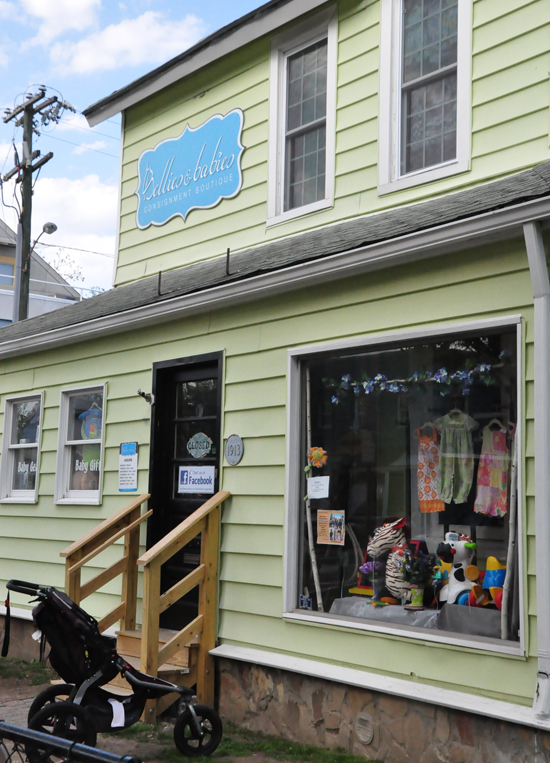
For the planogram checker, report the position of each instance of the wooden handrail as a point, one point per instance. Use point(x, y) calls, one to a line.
point(92, 536)
point(183, 533)
point(205, 520)
point(125, 523)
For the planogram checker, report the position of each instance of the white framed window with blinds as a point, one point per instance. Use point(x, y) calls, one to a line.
point(21, 449)
point(78, 477)
point(425, 91)
point(302, 119)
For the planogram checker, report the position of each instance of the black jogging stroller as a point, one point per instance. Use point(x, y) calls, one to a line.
point(87, 660)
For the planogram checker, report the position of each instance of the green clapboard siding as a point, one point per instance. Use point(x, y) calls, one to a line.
point(509, 131)
point(481, 283)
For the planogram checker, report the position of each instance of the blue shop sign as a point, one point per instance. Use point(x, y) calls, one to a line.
point(195, 171)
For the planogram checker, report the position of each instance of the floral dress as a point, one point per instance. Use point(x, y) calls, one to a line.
point(428, 473)
point(492, 474)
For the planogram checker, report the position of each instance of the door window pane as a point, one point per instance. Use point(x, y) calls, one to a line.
point(196, 399)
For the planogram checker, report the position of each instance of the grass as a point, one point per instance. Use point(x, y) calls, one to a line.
point(34, 672)
point(240, 743)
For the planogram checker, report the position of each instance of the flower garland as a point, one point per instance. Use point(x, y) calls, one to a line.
point(442, 377)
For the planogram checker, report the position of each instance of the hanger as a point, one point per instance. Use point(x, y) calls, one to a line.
point(455, 410)
point(498, 423)
point(429, 424)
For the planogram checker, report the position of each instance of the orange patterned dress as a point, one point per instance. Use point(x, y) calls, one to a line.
point(428, 473)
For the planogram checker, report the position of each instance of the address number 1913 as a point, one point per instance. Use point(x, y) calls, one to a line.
point(234, 449)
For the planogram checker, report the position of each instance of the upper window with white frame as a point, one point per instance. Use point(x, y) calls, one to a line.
point(20, 449)
point(80, 448)
point(424, 91)
point(302, 119)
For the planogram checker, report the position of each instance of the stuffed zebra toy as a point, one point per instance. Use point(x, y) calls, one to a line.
point(387, 537)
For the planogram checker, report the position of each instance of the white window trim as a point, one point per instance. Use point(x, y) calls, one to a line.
point(300, 36)
point(389, 119)
point(7, 495)
point(62, 494)
point(291, 560)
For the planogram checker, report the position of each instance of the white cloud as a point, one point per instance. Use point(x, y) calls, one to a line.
point(85, 213)
point(3, 57)
point(8, 10)
point(59, 16)
point(97, 145)
point(150, 38)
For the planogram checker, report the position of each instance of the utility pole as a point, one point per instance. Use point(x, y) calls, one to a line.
point(50, 110)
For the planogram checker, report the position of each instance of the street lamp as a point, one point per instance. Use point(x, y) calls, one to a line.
point(19, 270)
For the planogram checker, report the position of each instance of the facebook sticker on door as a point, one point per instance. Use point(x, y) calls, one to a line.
point(196, 479)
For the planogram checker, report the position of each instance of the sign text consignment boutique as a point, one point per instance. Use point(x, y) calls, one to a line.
point(195, 171)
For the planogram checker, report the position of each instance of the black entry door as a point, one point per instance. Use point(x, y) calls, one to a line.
point(185, 450)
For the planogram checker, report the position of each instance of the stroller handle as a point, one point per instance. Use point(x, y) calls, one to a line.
point(22, 586)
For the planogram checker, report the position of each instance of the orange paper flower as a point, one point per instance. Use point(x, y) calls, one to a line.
point(317, 456)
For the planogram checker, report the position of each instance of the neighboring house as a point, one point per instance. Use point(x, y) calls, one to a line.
point(48, 290)
point(371, 262)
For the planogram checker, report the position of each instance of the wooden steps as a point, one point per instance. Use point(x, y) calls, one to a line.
point(129, 643)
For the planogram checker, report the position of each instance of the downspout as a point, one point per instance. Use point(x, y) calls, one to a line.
point(541, 297)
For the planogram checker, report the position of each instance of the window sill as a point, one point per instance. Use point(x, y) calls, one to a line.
point(511, 648)
point(292, 214)
point(31, 499)
point(78, 501)
point(424, 176)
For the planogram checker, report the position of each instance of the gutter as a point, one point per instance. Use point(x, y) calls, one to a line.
point(451, 237)
point(541, 297)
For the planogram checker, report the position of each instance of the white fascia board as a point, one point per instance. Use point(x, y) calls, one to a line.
point(489, 227)
point(399, 687)
point(242, 35)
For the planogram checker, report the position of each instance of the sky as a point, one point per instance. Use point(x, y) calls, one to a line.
point(83, 50)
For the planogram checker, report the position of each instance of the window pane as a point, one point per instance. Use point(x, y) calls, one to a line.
point(430, 124)
point(85, 416)
point(306, 168)
point(24, 469)
point(429, 37)
point(25, 421)
point(6, 274)
point(84, 467)
point(306, 85)
point(416, 437)
point(196, 399)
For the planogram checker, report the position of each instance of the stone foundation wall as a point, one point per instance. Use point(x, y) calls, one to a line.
point(327, 714)
point(22, 645)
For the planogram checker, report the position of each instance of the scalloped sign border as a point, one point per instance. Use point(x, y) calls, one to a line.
point(195, 171)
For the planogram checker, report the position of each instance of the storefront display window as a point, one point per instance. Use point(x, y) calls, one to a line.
point(20, 448)
point(81, 432)
point(410, 483)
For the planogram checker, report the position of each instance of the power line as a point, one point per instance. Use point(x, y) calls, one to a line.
point(79, 145)
point(75, 249)
point(70, 125)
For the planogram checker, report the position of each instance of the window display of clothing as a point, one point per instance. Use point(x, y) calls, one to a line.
point(456, 451)
point(428, 472)
point(492, 474)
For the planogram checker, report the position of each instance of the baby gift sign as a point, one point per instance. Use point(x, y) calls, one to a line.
point(195, 171)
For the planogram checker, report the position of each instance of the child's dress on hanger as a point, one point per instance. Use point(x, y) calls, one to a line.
point(456, 465)
point(428, 473)
point(492, 474)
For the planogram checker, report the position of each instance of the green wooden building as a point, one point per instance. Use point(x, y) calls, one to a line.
point(331, 244)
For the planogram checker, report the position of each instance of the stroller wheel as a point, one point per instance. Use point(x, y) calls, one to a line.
point(61, 719)
point(186, 737)
point(56, 693)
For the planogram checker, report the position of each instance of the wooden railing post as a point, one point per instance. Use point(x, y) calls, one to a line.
point(130, 576)
point(72, 579)
point(207, 608)
point(150, 629)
